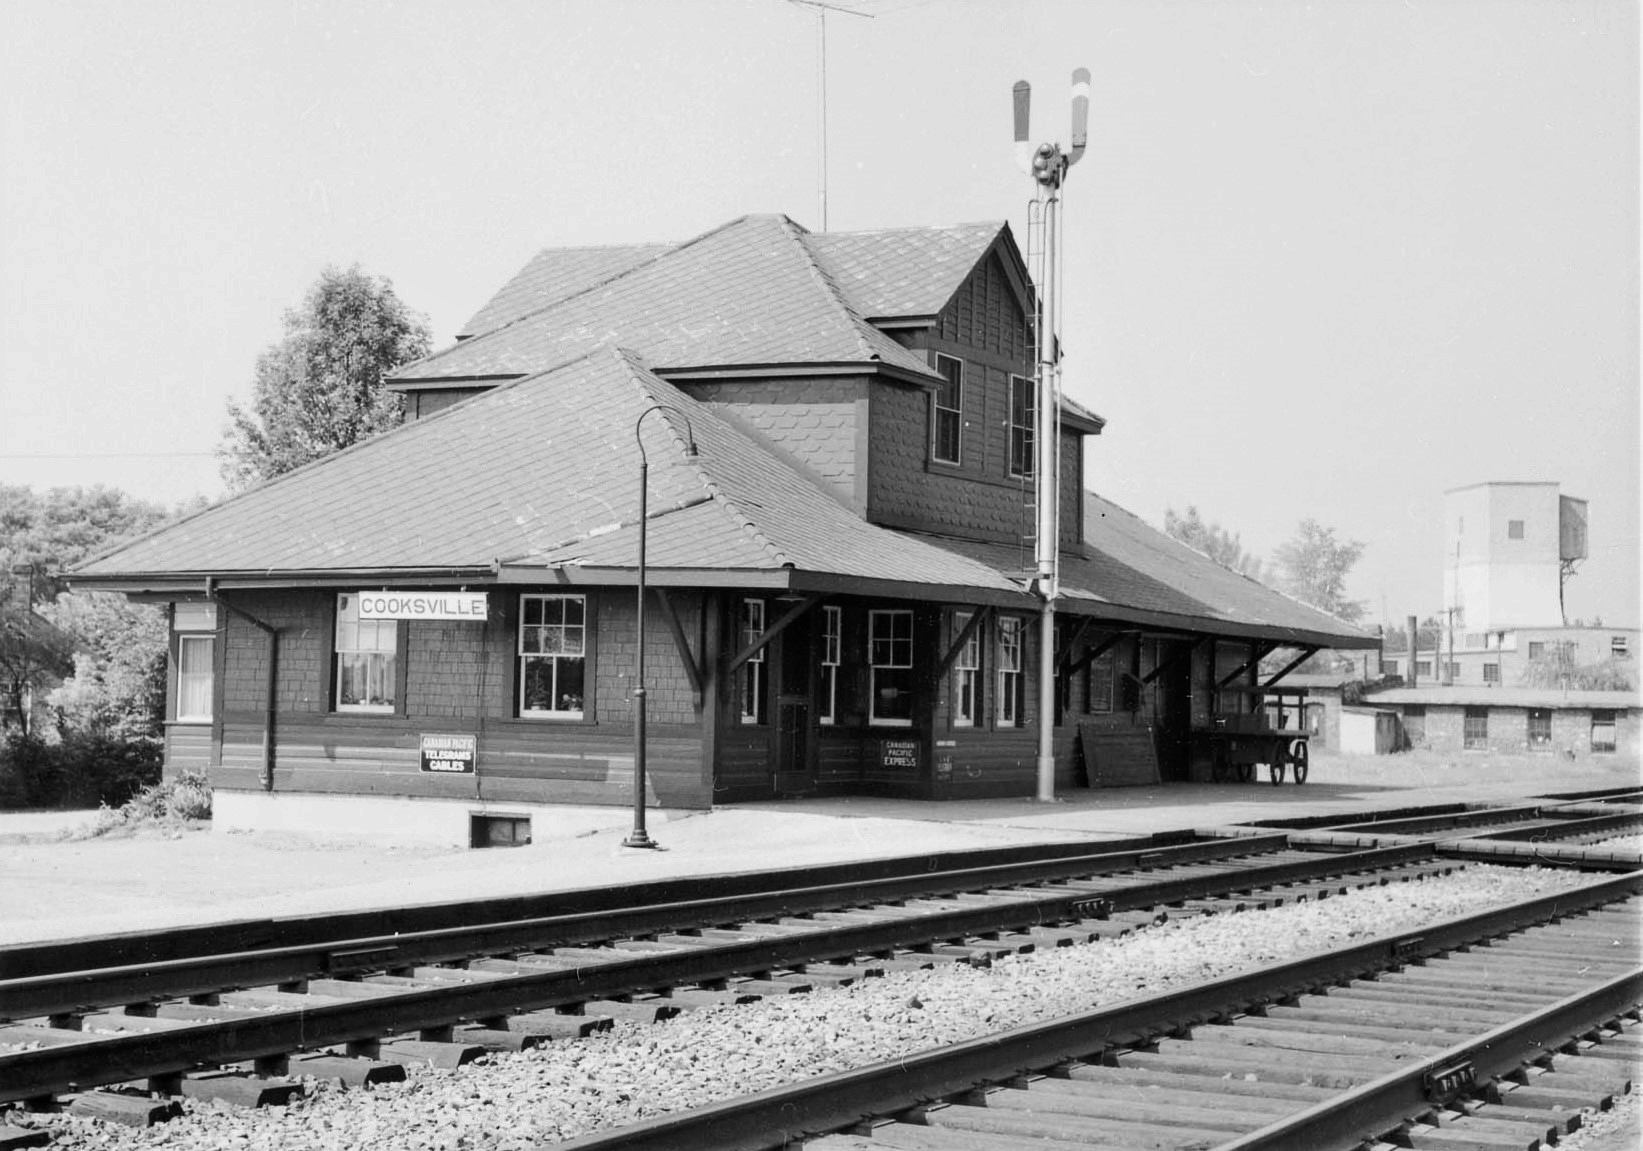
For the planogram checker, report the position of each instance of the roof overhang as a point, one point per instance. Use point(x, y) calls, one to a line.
point(180, 585)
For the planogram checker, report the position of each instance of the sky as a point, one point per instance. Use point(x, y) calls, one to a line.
point(1323, 260)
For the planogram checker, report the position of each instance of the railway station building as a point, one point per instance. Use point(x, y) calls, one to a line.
point(836, 432)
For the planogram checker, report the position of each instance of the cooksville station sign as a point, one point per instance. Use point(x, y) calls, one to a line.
point(457, 605)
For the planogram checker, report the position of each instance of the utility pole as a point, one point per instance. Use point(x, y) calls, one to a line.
point(1048, 165)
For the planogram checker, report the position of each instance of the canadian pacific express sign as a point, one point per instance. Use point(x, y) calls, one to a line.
point(457, 605)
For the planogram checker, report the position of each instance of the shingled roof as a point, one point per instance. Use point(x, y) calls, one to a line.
point(417, 499)
point(904, 272)
point(552, 275)
point(746, 295)
point(1127, 570)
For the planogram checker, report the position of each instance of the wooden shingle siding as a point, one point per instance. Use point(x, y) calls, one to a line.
point(984, 325)
point(304, 622)
point(818, 424)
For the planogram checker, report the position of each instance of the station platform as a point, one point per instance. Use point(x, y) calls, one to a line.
point(57, 888)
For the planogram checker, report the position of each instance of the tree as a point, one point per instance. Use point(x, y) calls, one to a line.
point(1312, 566)
point(117, 688)
point(319, 389)
point(1212, 540)
point(1556, 668)
point(41, 535)
point(1428, 633)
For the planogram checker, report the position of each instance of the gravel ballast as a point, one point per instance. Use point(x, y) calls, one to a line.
point(634, 1071)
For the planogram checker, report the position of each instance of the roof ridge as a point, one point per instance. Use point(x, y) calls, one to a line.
point(831, 288)
point(990, 223)
point(475, 340)
point(642, 375)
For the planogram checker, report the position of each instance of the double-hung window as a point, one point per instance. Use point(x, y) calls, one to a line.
point(832, 635)
point(1022, 403)
point(553, 656)
point(966, 674)
point(367, 653)
point(1011, 681)
point(195, 628)
point(890, 660)
point(751, 675)
point(947, 426)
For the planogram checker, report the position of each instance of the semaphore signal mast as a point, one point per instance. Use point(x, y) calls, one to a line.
point(1048, 165)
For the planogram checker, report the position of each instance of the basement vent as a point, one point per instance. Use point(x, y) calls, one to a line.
point(499, 830)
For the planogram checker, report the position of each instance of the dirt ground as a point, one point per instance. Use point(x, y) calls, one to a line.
point(55, 886)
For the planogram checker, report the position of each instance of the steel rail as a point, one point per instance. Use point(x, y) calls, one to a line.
point(1555, 829)
point(28, 1074)
point(61, 994)
point(1341, 1124)
point(773, 1118)
point(1475, 817)
point(24, 959)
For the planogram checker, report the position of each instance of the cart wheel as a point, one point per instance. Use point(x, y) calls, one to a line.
point(1277, 772)
point(1246, 772)
point(1299, 755)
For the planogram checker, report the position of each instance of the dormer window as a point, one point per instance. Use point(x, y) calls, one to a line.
point(1021, 426)
point(948, 422)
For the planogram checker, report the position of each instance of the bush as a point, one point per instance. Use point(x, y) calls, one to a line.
point(168, 805)
point(80, 771)
point(28, 774)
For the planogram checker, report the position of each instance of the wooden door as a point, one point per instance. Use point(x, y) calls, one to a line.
point(795, 749)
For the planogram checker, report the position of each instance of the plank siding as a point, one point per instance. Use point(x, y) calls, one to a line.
point(515, 762)
point(187, 748)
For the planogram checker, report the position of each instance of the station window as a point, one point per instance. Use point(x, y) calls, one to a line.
point(1514, 529)
point(750, 677)
point(1475, 734)
point(1603, 729)
point(946, 428)
point(1540, 728)
point(966, 674)
point(1491, 673)
point(890, 659)
point(1022, 402)
point(832, 634)
point(194, 627)
point(1537, 648)
point(367, 654)
point(1011, 682)
point(194, 678)
point(552, 656)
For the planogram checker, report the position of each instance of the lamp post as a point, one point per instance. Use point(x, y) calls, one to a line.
point(639, 837)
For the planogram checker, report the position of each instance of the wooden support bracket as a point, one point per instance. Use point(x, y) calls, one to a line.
point(692, 668)
point(772, 632)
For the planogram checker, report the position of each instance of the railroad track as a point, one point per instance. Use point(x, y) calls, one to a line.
point(361, 1009)
point(1489, 1031)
